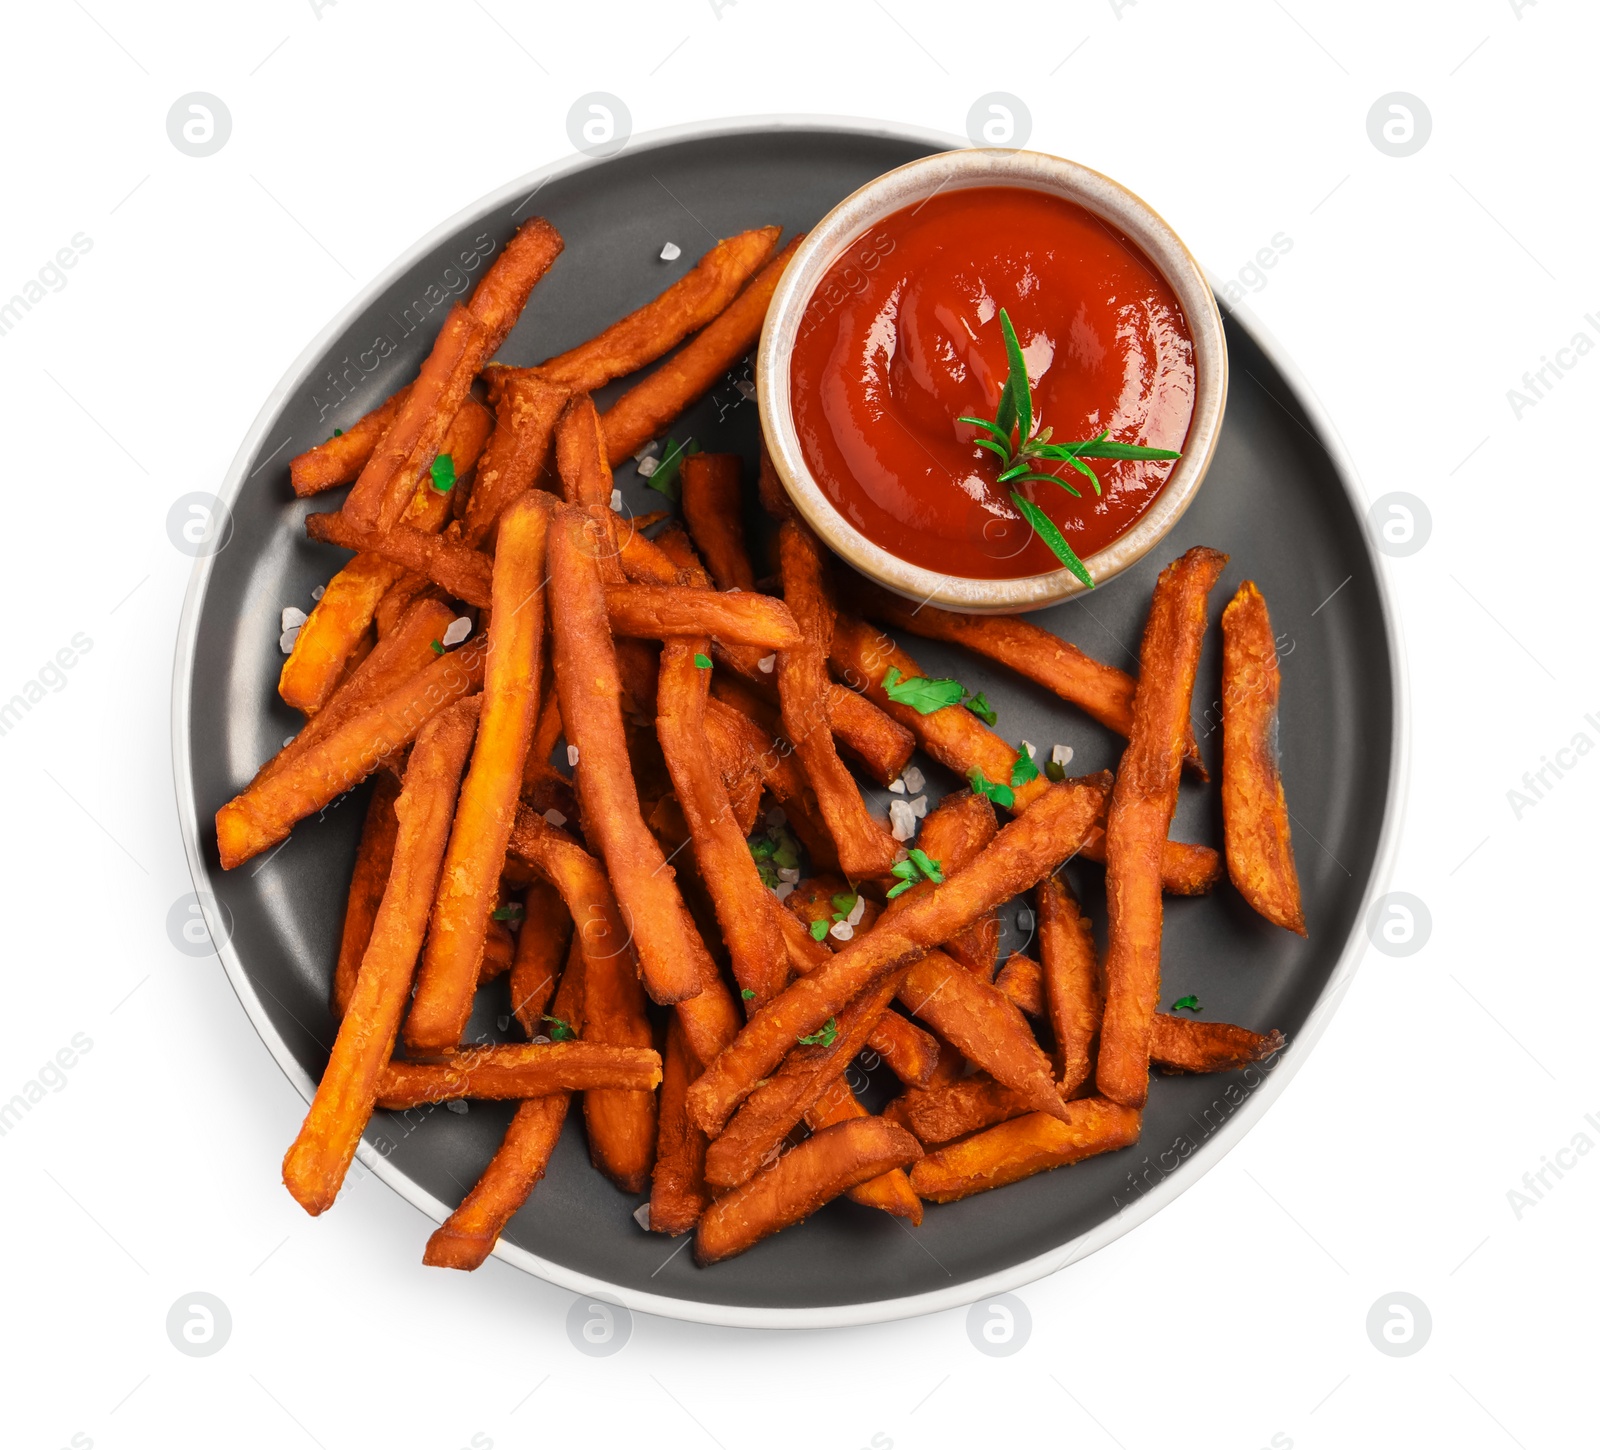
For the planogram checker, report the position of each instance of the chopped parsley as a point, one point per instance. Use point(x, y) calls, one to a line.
point(775, 850)
point(435, 646)
point(1186, 1004)
point(1000, 794)
point(843, 905)
point(980, 707)
point(338, 432)
point(701, 662)
point(920, 867)
point(819, 929)
point(1024, 768)
point(559, 1031)
point(1055, 770)
point(664, 477)
point(747, 994)
point(510, 912)
point(925, 695)
point(443, 473)
point(824, 1035)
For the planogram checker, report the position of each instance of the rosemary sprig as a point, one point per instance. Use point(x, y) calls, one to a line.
point(1024, 454)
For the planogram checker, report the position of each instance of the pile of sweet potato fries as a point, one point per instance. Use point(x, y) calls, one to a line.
point(498, 609)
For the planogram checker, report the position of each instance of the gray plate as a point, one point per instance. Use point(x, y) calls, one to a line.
point(1280, 499)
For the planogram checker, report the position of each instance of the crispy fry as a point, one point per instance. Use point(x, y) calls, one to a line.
point(520, 1070)
point(315, 1165)
point(383, 489)
point(525, 422)
point(824, 1166)
point(1022, 980)
point(581, 454)
point(266, 811)
point(978, 947)
point(1255, 816)
point(710, 1019)
point(1036, 842)
point(957, 739)
point(470, 880)
point(430, 509)
point(746, 910)
point(395, 659)
point(316, 663)
point(889, 1191)
point(955, 1109)
point(374, 856)
point(502, 292)
point(342, 457)
point(467, 1237)
point(396, 604)
point(499, 949)
point(737, 762)
point(713, 508)
point(647, 408)
point(1024, 1146)
point(1141, 810)
point(1071, 980)
point(677, 1182)
point(864, 847)
point(1178, 1044)
point(457, 569)
point(589, 687)
point(1101, 691)
point(662, 611)
point(542, 943)
point(546, 733)
point(662, 323)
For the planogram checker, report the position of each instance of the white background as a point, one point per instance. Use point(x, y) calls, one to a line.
point(1416, 293)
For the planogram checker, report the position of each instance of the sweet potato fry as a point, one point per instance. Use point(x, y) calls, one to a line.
point(1142, 805)
point(316, 663)
point(404, 653)
point(499, 950)
point(468, 1236)
point(1022, 981)
point(542, 944)
point(1034, 843)
point(1101, 691)
point(978, 947)
point(374, 855)
point(266, 811)
point(713, 508)
point(1071, 980)
point(746, 910)
point(456, 569)
point(430, 509)
point(1024, 1146)
point(957, 739)
point(968, 1105)
point(820, 1169)
point(646, 409)
point(342, 457)
point(315, 1165)
point(581, 454)
point(525, 422)
point(661, 611)
point(1178, 1044)
point(588, 686)
point(396, 604)
point(661, 324)
point(502, 292)
point(865, 847)
point(1255, 816)
point(889, 1191)
point(470, 880)
point(384, 487)
point(521, 1070)
point(737, 762)
point(678, 1193)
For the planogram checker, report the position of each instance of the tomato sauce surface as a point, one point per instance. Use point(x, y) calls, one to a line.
point(902, 336)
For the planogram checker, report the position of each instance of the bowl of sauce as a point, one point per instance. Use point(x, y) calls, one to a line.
point(889, 328)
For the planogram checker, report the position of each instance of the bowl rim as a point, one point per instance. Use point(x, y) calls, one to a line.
point(963, 169)
point(191, 821)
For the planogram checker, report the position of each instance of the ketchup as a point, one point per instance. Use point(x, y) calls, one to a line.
point(902, 337)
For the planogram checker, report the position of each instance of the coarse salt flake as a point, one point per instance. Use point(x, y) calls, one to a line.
point(671, 252)
point(1025, 918)
point(555, 817)
point(649, 450)
point(841, 931)
point(616, 500)
point(788, 873)
point(539, 1038)
point(502, 1022)
point(855, 911)
point(897, 786)
point(1062, 755)
point(766, 663)
point(919, 807)
point(292, 618)
point(747, 389)
point(455, 1105)
point(783, 889)
point(641, 1216)
point(572, 755)
point(902, 820)
point(648, 466)
point(319, 591)
point(460, 627)
point(287, 638)
point(914, 779)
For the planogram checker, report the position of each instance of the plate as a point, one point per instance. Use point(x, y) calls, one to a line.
point(1281, 498)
